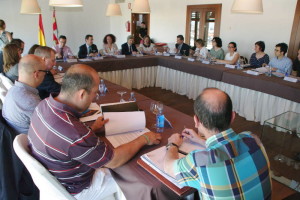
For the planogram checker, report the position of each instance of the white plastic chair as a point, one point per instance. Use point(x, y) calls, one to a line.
point(5, 85)
point(49, 186)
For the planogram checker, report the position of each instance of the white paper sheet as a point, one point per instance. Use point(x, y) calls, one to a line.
point(188, 145)
point(85, 60)
point(122, 122)
point(123, 138)
point(261, 70)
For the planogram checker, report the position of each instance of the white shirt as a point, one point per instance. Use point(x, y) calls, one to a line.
point(110, 51)
point(201, 52)
point(150, 48)
point(229, 57)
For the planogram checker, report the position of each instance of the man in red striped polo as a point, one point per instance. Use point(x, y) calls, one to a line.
point(68, 148)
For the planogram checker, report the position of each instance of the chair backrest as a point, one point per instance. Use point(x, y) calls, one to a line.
point(49, 186)
point(5, 85)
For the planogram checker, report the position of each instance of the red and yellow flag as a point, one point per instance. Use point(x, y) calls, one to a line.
point(55, 31)
point(42, 40)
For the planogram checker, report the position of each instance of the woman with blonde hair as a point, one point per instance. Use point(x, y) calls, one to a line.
point(5, 37)
point(11, 58)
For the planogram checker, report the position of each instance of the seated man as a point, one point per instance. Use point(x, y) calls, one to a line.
point(62, 49)
point(232, 166)
point(88, 49)
point(296, 64)
point(181, 47)
point(69, 148)
point(280, 62)
point(129, 47)
point(23, 97)
point(49, 85)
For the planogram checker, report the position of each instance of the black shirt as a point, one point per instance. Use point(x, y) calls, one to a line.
point(143, 32)
point(49, 85)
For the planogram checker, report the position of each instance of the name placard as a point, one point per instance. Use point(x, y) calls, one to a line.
point(230, 66)
point(191, 59)
point(178, 57)
point(290, 79)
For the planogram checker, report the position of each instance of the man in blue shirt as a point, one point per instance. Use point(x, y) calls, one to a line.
point(23, 97)
point(280, 62)
point(232, 166)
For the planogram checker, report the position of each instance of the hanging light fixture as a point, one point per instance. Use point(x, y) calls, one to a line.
point(30, 7)
point(141, 6)
point(66, 3)
point(113, 9)
point(247, 6)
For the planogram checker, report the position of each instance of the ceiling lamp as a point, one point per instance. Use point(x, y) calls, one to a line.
point(30, 7)
point(247, 6)
point(141, 6)
point(65, 3)
point(113, 9)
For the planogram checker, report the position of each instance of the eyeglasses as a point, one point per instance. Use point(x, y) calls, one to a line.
point(276, 50)
point(230, 47)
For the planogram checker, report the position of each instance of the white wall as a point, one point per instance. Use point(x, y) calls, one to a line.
point(167, 20)
point(75, 23)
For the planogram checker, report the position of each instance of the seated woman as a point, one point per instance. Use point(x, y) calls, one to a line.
point(11, 58)
point(259, 58)
point(217, 51)
point(129, 47)
point(109, 45)
point(232, 56)
point(201, 50)
point(147, 47)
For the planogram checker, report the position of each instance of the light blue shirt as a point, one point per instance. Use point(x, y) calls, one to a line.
point(283, 65)
point(19, 105)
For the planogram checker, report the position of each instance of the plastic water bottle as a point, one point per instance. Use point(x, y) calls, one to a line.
point(238, 64)
point(160, 122)
point(65, 58)
point(102, 88)
point(286, 74)
point(132, 97)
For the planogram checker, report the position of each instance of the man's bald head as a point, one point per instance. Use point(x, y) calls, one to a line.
point(79, 77)
point(29, 64)
point(213, 108)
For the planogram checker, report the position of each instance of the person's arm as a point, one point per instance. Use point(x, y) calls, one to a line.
point(172, 153)
point(125, 152)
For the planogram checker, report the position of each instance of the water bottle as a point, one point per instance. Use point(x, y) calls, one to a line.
point(286, 74)
point(102, 88)
point(132, 97)
point(238, 64)
point(65, 58)
point(160, 122)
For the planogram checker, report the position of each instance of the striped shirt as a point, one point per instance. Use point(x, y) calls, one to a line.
point(233, 166)
point(66, 147)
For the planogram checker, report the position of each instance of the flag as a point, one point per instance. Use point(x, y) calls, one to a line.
point(55, 31)
point(42, 40)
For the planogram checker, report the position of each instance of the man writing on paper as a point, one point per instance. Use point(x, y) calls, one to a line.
point(68, 148)
point(232, 166)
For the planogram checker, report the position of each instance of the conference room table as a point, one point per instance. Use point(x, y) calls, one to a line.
point(134, 181)
point(256, 98)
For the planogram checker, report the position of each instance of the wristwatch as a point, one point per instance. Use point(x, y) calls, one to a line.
point(172, 144)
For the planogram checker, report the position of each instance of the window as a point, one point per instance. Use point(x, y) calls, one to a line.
point(203, 22)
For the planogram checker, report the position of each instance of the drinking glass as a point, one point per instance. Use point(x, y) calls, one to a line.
point(154, 110)
point(184, 52)
point(121, 93)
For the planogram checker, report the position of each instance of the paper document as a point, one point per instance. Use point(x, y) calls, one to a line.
point(155, 159)
point(117, 140)
point(85, 60)
point(122, 122)
point(71, 60)
point(261, 70)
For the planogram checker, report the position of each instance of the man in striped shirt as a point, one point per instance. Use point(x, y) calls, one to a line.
point(232, 166)
point(68, 148)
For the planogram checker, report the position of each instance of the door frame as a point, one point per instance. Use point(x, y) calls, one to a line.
point(207, 7)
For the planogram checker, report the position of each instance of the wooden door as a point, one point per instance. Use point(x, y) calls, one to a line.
point(136, 20)
point(203, 22)
point(294, 45)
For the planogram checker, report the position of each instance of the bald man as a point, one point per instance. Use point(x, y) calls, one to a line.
point(73, 153)
point(231, 166)
point(23, 97)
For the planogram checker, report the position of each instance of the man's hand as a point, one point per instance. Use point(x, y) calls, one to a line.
point(176, 139)
point(98, 124)
point(192, 135)
point(154, 138)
